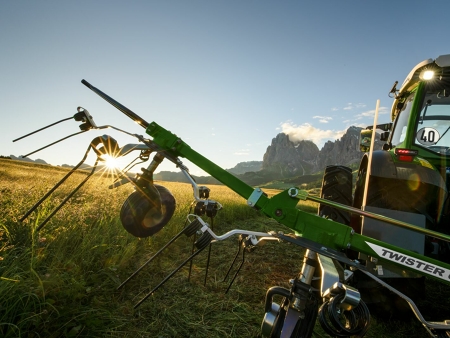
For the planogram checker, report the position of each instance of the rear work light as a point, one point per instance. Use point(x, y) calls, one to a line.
point(406, 155)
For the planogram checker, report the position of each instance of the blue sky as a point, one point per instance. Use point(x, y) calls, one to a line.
point(225, 76)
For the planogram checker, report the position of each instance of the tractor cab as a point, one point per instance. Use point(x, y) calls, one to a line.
point(410, 178)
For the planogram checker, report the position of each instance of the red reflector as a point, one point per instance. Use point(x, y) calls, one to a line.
point(406, 155)
point(405, 158)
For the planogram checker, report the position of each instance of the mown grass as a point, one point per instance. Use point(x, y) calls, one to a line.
point(62, 281)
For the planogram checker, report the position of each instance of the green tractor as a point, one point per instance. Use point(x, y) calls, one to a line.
point(407, 180)
point(374, 246)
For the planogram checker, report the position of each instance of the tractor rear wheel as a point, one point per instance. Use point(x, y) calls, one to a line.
point(336, 187)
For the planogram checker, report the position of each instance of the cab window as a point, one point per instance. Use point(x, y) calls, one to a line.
point(433, 125)
point(401, 121)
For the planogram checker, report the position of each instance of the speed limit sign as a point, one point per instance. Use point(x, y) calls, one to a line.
point(427, 136)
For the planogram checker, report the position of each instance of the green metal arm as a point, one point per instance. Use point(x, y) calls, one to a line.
point(283, 208)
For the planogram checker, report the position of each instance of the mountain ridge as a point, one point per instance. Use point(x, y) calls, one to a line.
point(284, 160)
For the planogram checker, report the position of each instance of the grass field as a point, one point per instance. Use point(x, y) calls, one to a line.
point(62, 281)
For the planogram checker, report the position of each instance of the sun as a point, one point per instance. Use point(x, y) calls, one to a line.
point(110, 161)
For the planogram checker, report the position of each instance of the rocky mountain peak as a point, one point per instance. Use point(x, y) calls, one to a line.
point(304, 157)
point(288, 158)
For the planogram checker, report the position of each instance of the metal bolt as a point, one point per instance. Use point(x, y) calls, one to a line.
point(352, 232)
point(349, 245)
point(278, 212)
point(249, 203)
point(293, 192)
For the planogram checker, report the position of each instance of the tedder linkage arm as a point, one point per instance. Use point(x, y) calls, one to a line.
point(330, 235)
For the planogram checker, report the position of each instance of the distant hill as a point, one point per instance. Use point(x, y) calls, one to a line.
point(26, 159)
point(245, 167)
point(40, 161)
point(238, 170)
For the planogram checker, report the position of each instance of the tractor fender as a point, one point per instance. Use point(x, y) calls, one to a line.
point(384, 166)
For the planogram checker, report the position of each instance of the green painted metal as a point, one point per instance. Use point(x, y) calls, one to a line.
point(174, 146)
point(283, 208)
point(415, 111)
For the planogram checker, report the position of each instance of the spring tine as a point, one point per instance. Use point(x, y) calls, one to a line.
point(234, 260)
point(169, 276)
point(34, 132)
point(207, 264)
point(186, 230)
point(192, 261)
point(48, 145)
point(192, 251)
point(209, 253)
point(239, 269)
point(55, 187)
point(67, 198)
point(150, 259)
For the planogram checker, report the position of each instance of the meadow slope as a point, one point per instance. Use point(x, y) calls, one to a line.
point(62, 281)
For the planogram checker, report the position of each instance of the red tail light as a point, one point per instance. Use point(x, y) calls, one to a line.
point(406, 155)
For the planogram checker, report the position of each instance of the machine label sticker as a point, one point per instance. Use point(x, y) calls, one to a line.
point(428, 136)
point(411, 262)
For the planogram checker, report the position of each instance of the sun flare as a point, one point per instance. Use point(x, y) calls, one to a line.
point(111, 162)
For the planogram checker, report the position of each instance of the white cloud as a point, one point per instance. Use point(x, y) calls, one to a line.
point(308, 132)
point(348, 108)
point(242, 152)
point(371, 113)
point(334, 109)
point(323, 119)
point(361, 125)
point(351, 106)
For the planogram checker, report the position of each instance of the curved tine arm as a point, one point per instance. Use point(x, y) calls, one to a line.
point(264, 236)
point(107, 126)
point(126, 149)
point(68, 197)
point(193, 184)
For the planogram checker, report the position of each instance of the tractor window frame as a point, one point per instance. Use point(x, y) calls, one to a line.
point(432, 91)
point(401, 121)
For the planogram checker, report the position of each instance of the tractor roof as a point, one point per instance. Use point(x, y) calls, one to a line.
point(414, 77)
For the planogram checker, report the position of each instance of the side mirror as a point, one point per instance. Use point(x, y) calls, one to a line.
point(365, 138)
point(366, 135)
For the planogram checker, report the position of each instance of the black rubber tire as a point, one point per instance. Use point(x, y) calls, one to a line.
point(336, 187)
point(304, 327)
point(138, 209)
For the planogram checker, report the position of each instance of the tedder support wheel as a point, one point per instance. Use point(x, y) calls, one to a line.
point(140, 216)
point(336, 187)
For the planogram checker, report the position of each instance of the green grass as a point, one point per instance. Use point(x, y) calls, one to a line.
point(62, 281)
